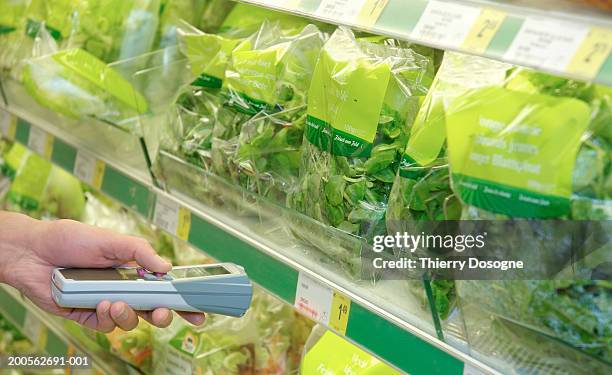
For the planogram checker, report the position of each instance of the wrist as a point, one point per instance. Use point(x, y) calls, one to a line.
point(18, 234)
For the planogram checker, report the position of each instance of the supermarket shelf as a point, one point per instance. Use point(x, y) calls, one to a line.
point(49, 335)
point(376, 316)
point(79, 149)
point(569, 40)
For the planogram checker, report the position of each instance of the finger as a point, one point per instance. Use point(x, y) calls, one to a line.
point(161, 317)
point(105, 322)
point(138, 249)
point(123, 316)
point(197, 319)
point(73, 244)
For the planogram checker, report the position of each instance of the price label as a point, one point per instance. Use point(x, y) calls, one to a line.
point(445, 24)
point(546, 43)
point(340, 309)
point(313, 298)
point(8, 125)
point(345, 10)
point(321, 304)
point(592, 54)
point(172, 217)
point(34, 329)
point(483, 30)
point(40, 142)
point(89, 169)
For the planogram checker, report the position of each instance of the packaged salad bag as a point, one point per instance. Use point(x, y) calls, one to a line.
point(33, 28)
point(259, 130)
point(40, 188)
point(191, 118)
point(114, 30)
point(421, 195)
point(12, 15)
point(363, 99)
point(77, 84)
point(531, 157)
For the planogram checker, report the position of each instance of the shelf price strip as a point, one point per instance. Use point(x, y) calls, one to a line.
point(8, 124)
point(89, 169)
point(546, 43)
point(40, 142)
point(322, 304)
point(445, 24)
point(172, 217)
point(364, 13)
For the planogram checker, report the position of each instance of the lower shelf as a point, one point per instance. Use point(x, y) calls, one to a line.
point(50, 336)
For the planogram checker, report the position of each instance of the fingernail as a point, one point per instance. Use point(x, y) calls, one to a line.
point(123, 313)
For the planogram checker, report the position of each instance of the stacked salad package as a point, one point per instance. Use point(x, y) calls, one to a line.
point(259, 130)
point(363, 99)
point(422, 193)
point(319, 141)
point(544, 153)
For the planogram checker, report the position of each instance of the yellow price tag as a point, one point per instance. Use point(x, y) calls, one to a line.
point(184, 223)
point(98, 175)
point(339, 312)
point(483, 30)
point(12, 128)
point(370, 12)
point(592, 53)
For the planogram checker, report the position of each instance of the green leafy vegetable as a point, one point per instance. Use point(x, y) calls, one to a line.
point(346, 187)
point(260, 150)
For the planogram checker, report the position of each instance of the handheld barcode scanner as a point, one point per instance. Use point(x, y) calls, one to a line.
point(222, 288)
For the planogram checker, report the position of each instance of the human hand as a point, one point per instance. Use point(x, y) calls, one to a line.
point(31, 249)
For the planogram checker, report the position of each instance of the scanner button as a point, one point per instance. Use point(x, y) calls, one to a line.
point(157, 276)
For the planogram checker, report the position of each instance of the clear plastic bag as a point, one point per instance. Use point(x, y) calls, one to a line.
point(266, 159)
point(362, 101)
point(270, 74)
point(526, 152)
point(190, 125)
point(77, 84)
point(421, 193)
point(561, 314)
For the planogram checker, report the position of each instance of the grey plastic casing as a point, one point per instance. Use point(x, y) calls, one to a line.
point(229, 294)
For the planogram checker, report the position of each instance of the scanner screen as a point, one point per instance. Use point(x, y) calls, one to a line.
point(185, 273)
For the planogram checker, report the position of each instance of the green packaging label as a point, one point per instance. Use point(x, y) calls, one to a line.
point(33, 27)
point(29, 186)
point(347, 359)
point(14, 160)
point(426, 140)
point(252, 79)
point(514, 153)
point(5, 29)
point(209, 55)
point(94, 70)
point(345, 101)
